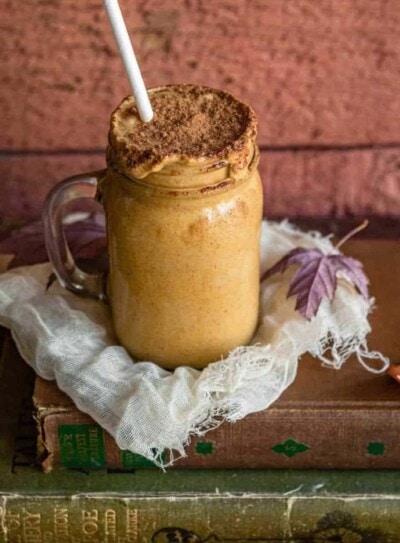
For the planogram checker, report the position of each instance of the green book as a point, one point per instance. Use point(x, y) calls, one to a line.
point(187, 506)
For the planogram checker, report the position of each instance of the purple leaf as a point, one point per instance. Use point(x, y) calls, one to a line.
point(316, 277)
point(86, 239)
point(295, 256)
point(353, 270)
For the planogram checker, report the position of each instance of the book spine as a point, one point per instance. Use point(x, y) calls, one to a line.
point(197, 519)
point(276, 438)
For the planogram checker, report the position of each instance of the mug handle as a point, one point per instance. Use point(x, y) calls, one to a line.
point(68, 273)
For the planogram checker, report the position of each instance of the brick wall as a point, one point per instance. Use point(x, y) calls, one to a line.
point(323, 77)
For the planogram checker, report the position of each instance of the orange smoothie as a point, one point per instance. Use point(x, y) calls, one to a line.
point(183, 203)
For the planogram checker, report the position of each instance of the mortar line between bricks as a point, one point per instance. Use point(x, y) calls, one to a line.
point(5, 153)
point(329, 148)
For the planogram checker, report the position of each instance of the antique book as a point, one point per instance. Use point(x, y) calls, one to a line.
point(192, 506)
point(327, 419)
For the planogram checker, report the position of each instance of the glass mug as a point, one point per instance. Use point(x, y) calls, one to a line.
point(183, 244)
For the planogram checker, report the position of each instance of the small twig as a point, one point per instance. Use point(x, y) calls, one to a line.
point(352, 233)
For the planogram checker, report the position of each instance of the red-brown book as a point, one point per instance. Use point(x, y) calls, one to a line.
point(327, 419)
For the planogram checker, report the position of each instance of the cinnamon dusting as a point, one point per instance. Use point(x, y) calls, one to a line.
point(190, 123)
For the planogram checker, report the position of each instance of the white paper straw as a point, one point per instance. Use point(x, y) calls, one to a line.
point(129, 59)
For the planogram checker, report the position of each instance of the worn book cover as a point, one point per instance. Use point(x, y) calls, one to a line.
point(192, 506)
point(326, 419)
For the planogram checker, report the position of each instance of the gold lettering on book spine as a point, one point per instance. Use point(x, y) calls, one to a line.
point(110, 525)
point(132, 526)
point(90, 524)
point(66, 522)
point(61, 524)
point(81, 446)
point(12, 525)
point(31, 527)
point(94, 444)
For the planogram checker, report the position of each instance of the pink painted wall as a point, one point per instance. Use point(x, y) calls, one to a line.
point(323, 77)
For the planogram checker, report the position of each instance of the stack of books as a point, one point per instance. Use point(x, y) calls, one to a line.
point(327, 419)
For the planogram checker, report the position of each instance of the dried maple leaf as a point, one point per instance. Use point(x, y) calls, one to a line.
point(316, 277)
point(86, 239)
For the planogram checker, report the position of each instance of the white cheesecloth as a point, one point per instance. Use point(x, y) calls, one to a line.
point(149, 410)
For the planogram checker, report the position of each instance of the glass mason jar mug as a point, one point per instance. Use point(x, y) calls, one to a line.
point(183, 243)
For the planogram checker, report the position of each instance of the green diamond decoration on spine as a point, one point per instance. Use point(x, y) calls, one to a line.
point(204, 447)
point(290, 448)
point(376, 448)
